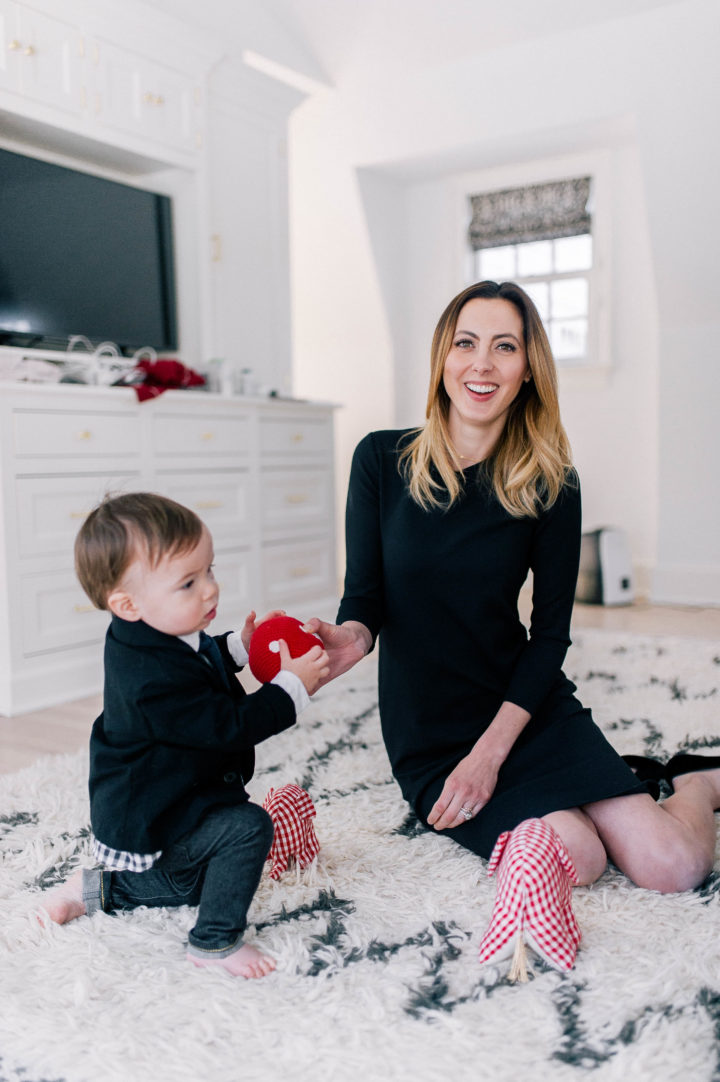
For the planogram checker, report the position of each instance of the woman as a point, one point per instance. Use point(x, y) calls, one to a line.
point(482, 728)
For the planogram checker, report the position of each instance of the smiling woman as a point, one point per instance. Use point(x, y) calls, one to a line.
point(483, 730)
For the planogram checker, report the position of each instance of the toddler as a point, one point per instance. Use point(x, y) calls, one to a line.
point(173, 748)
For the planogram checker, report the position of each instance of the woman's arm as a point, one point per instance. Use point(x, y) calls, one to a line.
point(473, 781)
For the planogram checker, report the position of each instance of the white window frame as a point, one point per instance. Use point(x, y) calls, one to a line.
point(596, 367)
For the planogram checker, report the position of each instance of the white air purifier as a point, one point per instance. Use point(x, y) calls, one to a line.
point(605, 576)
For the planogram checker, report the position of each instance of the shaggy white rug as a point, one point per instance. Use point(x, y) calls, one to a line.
point(376, 944)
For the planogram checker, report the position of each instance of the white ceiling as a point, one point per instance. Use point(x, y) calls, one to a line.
point(349, 36)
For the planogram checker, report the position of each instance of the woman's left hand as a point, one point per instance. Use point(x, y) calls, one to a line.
point(465, 792)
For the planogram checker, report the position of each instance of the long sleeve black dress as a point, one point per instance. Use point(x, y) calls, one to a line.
point(441, 590)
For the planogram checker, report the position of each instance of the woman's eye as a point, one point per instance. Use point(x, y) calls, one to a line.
point(463, 343)
point(507, 347)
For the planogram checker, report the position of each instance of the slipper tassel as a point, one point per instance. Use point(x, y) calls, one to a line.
point(532, 904)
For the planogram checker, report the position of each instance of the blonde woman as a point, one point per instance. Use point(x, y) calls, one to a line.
point(482, 728)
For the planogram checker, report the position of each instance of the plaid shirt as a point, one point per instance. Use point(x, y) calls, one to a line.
point(117, 861)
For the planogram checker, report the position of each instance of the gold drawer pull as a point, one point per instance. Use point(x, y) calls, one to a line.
point(79, 514)
point(84, 434)
point(207, 435)
point(299, 572)
point(83, 608)
point(14, 45)
point(29, 50)
point(297, 437)
point(208, 505)
point(297, 497)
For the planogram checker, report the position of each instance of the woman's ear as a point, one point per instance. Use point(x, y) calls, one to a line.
point(121, 604)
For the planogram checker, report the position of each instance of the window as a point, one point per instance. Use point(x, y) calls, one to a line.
point(540, 236)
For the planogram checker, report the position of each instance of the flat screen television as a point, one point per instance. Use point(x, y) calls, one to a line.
point(83, 255)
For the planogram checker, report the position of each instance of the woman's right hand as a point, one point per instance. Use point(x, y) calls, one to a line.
point(346, 644)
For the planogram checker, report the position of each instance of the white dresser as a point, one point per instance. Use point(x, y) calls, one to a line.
point(259, 472)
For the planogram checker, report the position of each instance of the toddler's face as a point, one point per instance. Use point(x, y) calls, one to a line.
point(179, 595)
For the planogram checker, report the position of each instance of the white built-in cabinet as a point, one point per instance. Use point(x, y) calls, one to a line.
point(121, 88)
point(258, 473)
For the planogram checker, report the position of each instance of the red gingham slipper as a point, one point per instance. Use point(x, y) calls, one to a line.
point(532, 904)
point(292, 812)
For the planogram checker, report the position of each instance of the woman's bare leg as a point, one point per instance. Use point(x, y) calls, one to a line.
point(667, 847)
point(582, 843)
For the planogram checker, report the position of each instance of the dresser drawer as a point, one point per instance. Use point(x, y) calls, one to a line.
point(50, 510)
point(195, 434)
point(298, 569)
point(236, 572)
point(83, 435)
point(57, 615)
point(221, 498)
point(296, 435)
point(295, 497)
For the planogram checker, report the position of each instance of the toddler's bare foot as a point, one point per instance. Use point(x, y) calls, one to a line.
point(246, 962)
point(65, 902)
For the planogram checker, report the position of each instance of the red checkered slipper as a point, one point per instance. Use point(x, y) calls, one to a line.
point(532, 904)
point(292, 812)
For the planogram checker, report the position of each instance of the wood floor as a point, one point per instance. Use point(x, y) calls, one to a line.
point(65, 728)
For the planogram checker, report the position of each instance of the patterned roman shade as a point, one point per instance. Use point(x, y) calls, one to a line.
point(560, 208)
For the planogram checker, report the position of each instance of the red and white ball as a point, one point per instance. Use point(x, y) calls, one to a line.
point(264, 652)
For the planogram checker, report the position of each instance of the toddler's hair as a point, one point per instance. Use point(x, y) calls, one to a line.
point(124, 527)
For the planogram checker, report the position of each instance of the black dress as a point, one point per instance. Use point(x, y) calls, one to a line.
point(441, 589)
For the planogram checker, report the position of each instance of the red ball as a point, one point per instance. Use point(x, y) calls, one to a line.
point(264, 652)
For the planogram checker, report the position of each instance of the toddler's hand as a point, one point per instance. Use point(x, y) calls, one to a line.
point(251, 624)
point(312, 668)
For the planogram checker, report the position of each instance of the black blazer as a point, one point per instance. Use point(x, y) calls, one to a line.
point(173, 740)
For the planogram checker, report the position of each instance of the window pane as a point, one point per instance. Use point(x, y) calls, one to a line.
point(498, 264)
point(539, 293)
point(535, 257)
point(573, 253)
point(568, 338)
point(569, 297)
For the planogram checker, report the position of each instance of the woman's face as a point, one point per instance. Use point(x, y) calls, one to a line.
point(485, 368)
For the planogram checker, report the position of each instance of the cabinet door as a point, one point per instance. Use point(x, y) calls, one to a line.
point(250, 266)
point(41, 57)
point(147, 99)
point(10, 46)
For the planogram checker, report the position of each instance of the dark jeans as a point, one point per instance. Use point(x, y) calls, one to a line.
point(217, 866)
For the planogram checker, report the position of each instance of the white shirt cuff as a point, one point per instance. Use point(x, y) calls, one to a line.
point(295, 688)
point(237, 650)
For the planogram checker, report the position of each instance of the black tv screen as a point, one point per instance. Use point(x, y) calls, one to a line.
point(83, 255)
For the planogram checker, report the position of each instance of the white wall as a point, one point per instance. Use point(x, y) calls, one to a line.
point(374, 234)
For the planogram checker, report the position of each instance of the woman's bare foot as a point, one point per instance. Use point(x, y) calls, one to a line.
point(65, 902)
point(246, 962)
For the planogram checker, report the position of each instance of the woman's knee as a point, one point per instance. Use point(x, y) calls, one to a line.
point(677, 865)
point(582, 842)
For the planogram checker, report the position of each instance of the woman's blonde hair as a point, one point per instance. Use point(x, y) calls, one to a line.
point(531, 460)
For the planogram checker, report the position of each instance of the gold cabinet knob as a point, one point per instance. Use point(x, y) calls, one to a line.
point(207, 436)
point(29, 50)
point(296, 497)
point(297, 437)
point(85, 434)
point(299, 572)
point(208, 505)
point(83, 608)
point(14, 45)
